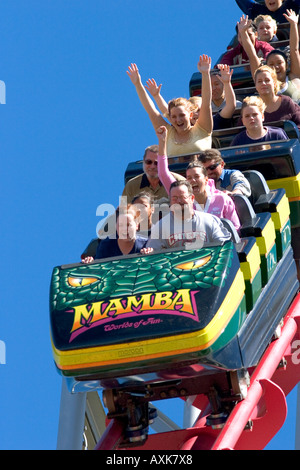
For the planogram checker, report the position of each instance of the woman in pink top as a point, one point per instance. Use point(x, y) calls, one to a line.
point(207, 197)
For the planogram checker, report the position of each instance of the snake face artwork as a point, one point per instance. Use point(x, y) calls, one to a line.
point(123, 299)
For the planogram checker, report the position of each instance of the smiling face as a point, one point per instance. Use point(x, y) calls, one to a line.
point(180, 118)
point(273, 5)
point(197, 180)
point(277, 62)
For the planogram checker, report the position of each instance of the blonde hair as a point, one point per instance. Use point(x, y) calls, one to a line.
point(266, 68)
point(267, 18)
point(196, 101)
point(253, 101)
point(181, 102)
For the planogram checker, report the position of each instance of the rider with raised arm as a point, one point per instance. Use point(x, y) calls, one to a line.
point(288, 72)
point(183, 137)
point(223, 102)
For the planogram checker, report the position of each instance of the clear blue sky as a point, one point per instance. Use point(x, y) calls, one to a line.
point(70, 125)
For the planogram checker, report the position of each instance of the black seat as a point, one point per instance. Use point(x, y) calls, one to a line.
point(257, 183)
point(261, 227)
point(244, 209)
point(232, 230)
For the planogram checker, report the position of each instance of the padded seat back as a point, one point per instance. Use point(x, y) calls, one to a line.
point(257, 183)
point(244, 208)
point(231, 229)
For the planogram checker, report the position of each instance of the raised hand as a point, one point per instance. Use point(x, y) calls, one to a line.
point(291, 16)
point(225, 73)
point(152, 87)
point(161, 133)
point(204, 64)
point(244, 23)
point(133, 73)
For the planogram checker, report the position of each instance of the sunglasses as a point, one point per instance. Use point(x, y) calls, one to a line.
point(148, 162)
point(212, 167)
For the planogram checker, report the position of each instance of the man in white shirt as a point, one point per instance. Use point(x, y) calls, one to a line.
point(183, 226)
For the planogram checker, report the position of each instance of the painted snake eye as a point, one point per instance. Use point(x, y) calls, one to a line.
point(194, 264)
point(81, 281)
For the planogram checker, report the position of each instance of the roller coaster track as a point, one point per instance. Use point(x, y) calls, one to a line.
point(253, 421)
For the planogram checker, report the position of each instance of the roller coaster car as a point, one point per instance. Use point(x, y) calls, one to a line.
point(172, 315)
point(185, 322)
point(175, 315)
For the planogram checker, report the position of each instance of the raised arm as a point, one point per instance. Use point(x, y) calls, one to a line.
point(292, 18)
point(205, 119)
point(230, 98)
point(247, 44)
point(154, 115)
point(164, 173)
point(154, 91)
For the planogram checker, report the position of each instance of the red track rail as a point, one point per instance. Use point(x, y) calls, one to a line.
point(277, 373)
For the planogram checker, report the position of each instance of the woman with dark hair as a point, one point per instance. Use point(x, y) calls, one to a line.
point(289, 82)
